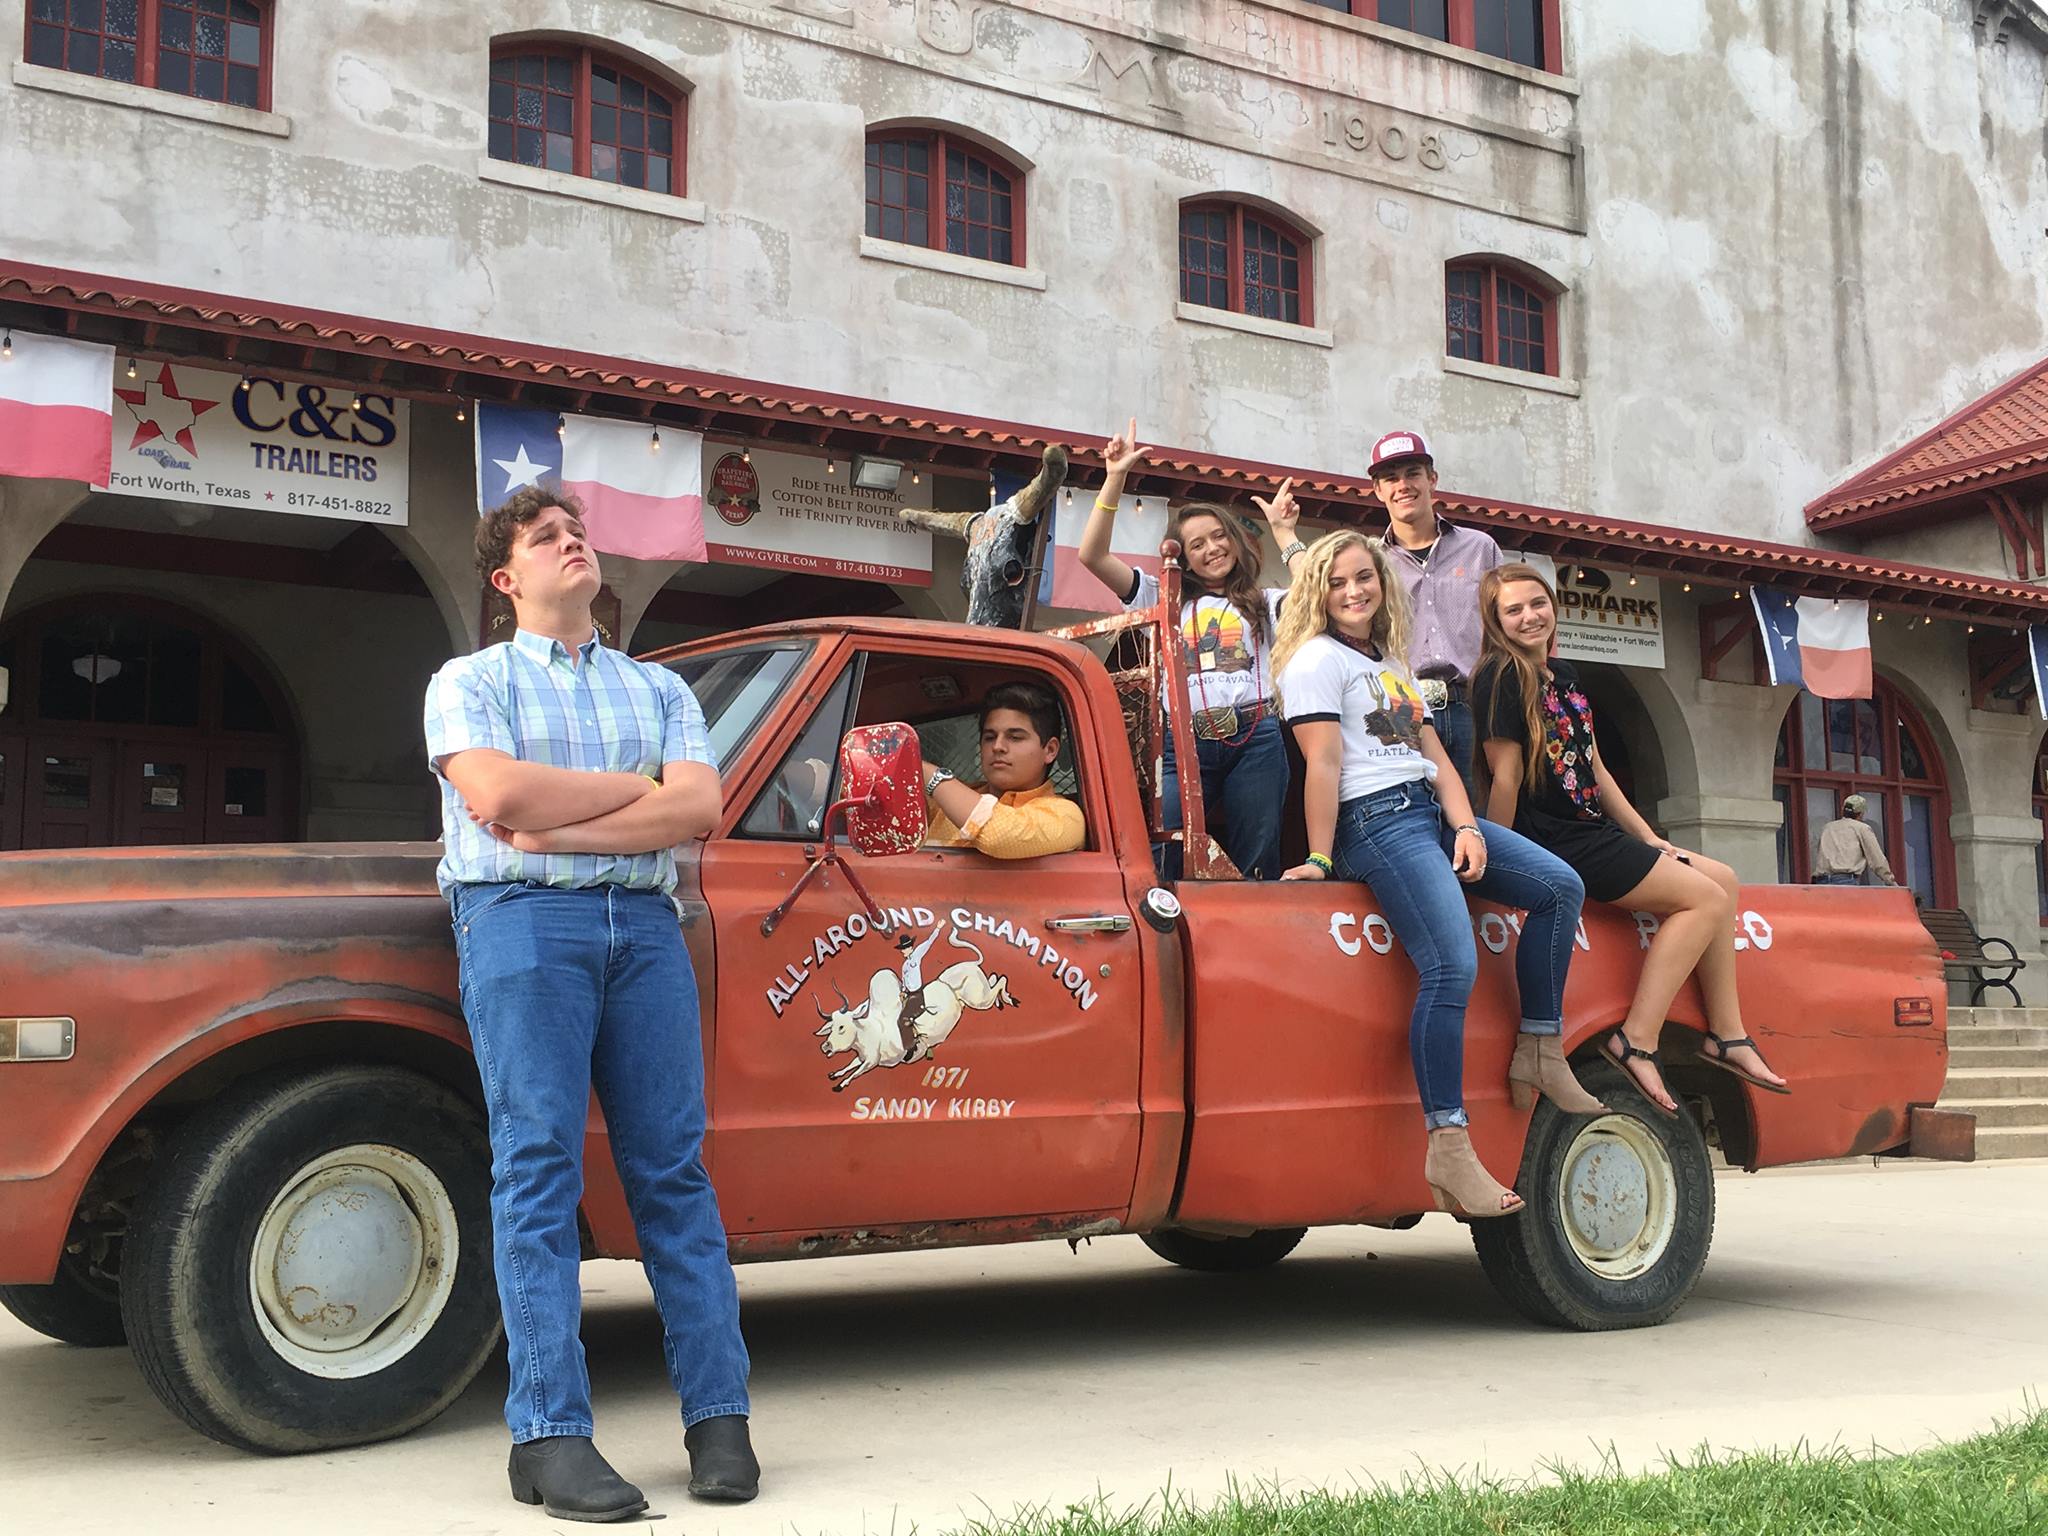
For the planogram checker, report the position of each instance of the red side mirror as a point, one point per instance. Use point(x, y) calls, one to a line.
point(881, 783)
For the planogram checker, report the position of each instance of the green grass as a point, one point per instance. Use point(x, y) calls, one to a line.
point(1993, 1485)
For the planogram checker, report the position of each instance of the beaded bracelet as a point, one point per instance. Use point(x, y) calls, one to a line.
point(1322, 862)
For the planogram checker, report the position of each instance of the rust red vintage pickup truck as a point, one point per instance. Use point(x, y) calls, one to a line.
point(241, 1124)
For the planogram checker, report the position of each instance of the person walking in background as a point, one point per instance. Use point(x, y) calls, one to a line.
point(1849, 851)
point(569, 772)
point(1439, 565)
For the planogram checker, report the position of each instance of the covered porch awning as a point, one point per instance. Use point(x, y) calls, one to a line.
point(152, 321)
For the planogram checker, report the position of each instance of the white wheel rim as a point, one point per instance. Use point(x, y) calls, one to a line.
point(354, 1261)
point(1617, 1197)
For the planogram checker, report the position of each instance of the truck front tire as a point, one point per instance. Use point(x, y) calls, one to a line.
point(75, 1308)
point(1224, 1255)
point(310, 1267)
point(1619, 1215)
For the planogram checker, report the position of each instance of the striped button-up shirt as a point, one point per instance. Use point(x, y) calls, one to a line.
point(597, 710)
point(1443, 599)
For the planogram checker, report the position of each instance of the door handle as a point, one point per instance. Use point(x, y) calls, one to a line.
point(1101, 922)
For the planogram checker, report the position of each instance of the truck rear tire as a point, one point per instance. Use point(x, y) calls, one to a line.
point(1224, 1255)
point(310, 1266)
point(1619, 1215)
point(75, 1308)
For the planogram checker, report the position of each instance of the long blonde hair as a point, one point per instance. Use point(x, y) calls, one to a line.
point(1304, 613)
point(1497, 657)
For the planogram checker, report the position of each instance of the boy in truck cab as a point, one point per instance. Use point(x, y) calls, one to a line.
point(1015, 812)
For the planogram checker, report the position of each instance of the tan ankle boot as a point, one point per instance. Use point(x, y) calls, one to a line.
point(1460, 1181)
point(1539, 1067)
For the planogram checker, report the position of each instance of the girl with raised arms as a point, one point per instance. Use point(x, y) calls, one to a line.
point(1384, 805)
point(1535, 730)
point(1226, 632)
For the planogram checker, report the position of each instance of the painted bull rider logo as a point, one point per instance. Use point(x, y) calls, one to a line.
point(905, 1018)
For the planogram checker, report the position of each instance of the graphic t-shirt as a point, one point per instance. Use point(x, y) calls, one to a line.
point(1377, 707)
point(1227, 662)
point(1568, 790)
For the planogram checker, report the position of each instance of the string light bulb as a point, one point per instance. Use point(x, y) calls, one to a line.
point(917, 479)
point(1879, 615)
point(561, 426)
point(1631, 578)
point(1969, 629)
point(356, 403)
point(746, 455)
point(654, 441)
point(461, 411)
point(1687, 587)
point(831, 466)
point(131, 367)
point(7, 348)
point(243, 387)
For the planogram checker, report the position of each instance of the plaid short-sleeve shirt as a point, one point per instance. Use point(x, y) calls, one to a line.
point(599, 710)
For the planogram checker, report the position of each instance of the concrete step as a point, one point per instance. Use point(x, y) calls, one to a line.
point(2030, 1017)
point(1968, 1084)
point(2012, 1142)
point(1972, 1055)
point(1973, 1035)
point(2022, 1114)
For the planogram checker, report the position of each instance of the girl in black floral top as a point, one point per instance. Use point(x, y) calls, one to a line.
point(1536, 744)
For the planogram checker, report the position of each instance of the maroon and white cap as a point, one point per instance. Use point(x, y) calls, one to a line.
point(1396, 446)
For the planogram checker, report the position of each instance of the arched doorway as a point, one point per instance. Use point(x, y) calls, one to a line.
point(1880, 749)
point(135, 721)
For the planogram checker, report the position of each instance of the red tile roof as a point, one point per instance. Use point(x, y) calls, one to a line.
point(1993, 441)
point(405, 359)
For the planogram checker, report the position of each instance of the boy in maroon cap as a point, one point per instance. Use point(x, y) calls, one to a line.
point(1439, 565)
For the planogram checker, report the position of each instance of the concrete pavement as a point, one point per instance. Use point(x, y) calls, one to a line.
point(1896, 1305)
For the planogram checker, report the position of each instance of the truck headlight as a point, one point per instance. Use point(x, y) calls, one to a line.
point(37, 1039)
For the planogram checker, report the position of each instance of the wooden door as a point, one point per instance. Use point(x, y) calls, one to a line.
point(160, 793)
point(13, 757)
point(68, 793)
point(247, 796)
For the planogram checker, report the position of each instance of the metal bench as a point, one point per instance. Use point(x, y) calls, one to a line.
point(1967, 951)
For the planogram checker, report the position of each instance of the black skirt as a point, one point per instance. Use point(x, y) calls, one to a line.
point(1610, 861)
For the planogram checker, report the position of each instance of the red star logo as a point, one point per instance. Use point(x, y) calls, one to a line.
point(160, 411)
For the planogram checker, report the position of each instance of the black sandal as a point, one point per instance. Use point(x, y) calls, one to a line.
point(1631, 1052)
point(1715, 1054)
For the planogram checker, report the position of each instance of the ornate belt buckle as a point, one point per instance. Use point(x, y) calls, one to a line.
point(1216, 724)
point(1436, 693)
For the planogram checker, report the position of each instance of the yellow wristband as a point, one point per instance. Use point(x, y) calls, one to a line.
point(650, 778)
point(1104, 506)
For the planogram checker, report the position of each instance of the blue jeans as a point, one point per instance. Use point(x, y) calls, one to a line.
point(1454, 728)
point(1244, 788)
point(1396, 841)
point(565, 990)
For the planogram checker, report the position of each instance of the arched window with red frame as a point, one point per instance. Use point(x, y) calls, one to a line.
point(941, 191)
point(1520, 31)
point(214, 50)
point(1496, 313)
point(1245, 260)
point(558, 107)
point(1878, 748)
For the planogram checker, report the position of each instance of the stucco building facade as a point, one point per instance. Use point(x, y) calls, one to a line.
point(1654, 279)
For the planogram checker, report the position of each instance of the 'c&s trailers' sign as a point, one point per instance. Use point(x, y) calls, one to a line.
point(278, 445)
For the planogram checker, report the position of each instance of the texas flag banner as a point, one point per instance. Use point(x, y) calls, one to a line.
point(2037, 652)
point(57, 409)
point(1820, 643)
point(642, 488)
point(1134, 539)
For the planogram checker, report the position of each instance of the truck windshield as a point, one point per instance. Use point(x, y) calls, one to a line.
point(736, 688)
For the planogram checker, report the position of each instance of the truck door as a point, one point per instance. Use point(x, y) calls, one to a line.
point(1015, 1091)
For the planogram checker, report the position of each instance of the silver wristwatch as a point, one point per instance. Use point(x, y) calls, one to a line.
point(1289, 550)
point(938, 777)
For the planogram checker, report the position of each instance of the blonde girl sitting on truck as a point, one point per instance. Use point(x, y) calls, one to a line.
point(1384, 805)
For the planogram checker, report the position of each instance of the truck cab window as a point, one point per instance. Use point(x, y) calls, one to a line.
point(793, 805)
point(736, 688)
